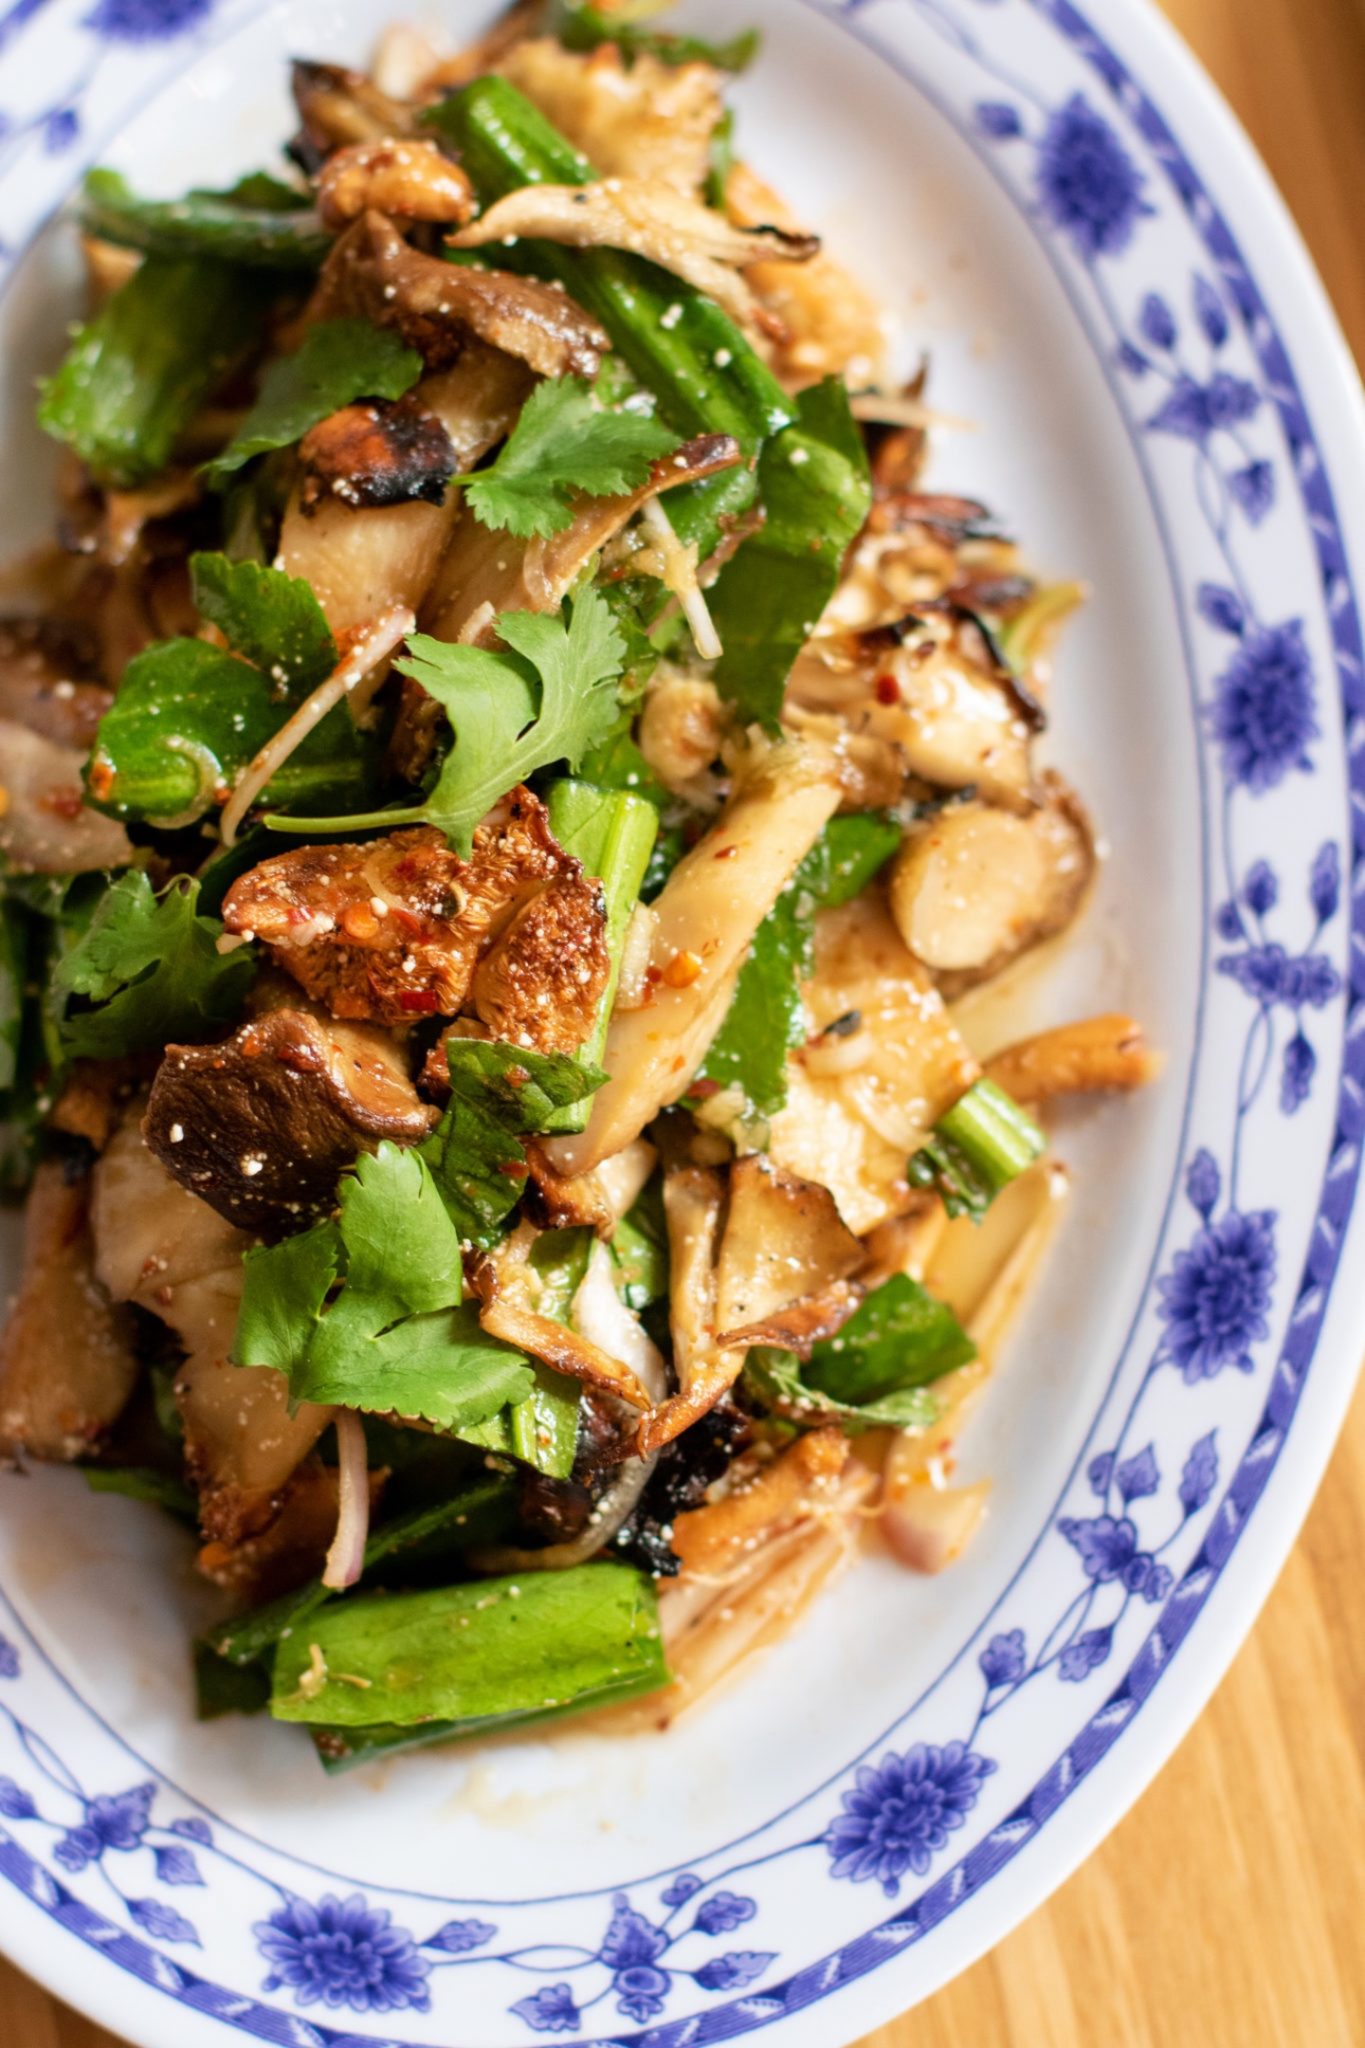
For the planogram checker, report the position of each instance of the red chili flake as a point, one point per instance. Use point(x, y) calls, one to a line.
point(101, 778)
point(888, 690)
point(704, 1088)
point(516, 1077)
point(405, 919)
point(61, 803)
point(725, 853)
point(422, 1000)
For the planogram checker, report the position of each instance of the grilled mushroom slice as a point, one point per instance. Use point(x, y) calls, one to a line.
point(44, 823)
point(785, 1250)
point(67, 1364)
point(260, 1126)
point(383, 452)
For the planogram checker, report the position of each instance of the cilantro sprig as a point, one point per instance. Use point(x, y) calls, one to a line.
point(397, 1337)
point(546, 697)
point(564, 441)
point(152, 966)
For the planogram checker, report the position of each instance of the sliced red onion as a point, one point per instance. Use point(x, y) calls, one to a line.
point(346, 1558)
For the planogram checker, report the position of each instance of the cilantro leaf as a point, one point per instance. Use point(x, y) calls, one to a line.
point(396, 1337)
point(272, 619)
point(504, 729)
point(876, 1372)
point(152, 965)
point(564, 441)
point(499, 1094)
point(337, 362)
point(766, 1017)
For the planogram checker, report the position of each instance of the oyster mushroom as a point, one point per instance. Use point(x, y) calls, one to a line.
point(260, 1126)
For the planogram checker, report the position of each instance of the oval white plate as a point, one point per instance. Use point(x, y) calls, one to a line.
point(1108, 286)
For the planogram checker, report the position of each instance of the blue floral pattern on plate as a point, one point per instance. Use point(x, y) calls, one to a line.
point(1143, 1529)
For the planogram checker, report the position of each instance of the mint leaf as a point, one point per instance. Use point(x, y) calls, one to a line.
point(394, 1338)
point(816, 489)
point(498, 1094)
point(337, 362)
point(152, 965)
point(766, 1017)
point(272, 619)
point(564, 441)
point(548, 699)
point(876, 1372)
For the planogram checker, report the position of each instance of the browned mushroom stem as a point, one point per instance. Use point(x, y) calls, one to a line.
point(260, 1126)
point(1093, 1056)
point(383, 452)
point(67, 1364)
point(176, 1257)
point(437, 306)
point(338, 107)
point(785, 1256)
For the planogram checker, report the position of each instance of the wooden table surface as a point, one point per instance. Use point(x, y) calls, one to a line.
point(1228, 1909)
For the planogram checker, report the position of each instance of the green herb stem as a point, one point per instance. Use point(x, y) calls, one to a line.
point(979, 1146)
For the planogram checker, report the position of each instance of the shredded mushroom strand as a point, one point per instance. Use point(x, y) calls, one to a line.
point(356, 676)
point(680, 577)
point(346, 1558)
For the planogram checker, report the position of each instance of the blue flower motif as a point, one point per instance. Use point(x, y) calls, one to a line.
point(1157, 322)
point(117, 1822)
point(1139, 1475)
point(457, 1937)
point(1215, 1299)
point(1261, 890)
point(193, 1829)
point(1202, 1183)
point(903, 1809)
point(1254, 489)
point(1089, 186)
point(1222, 608)
point(1227, 922)
point(9, 1659)
point(163, 1923)
point(1324, 882)
point(1200, 1474)
point(15, 1802)
point(1262, 714)
point(1106, 1545)
point(1195, 411)
point(724, 1912)
point(60, 130)
point(1143, 1575)
point(1098, 1472)
point(630, 1938)
point(641, 1991)
point(1004, 1659)
point(1210, 312)
point(681, 1889)
point(1131, 359)
point(1080, 1658)
point(343, 1952)
point(145, 21)
point(1296, 1075)
point(551, 2011)
point(176, 1866)
point(1270, 975)
point(999, 120)
point(728, 1973)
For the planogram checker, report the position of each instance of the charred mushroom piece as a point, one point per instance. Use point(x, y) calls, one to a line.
point(539, 985)
point(784, 1255)
point(47, 681)
point(45, 826)
point(338, 107)
point(67, 1364)
point(382, 452)
point(504, 1284)
point(394, 929)
point(694, 1198)
point(411, 180)
point(171, 1254)
point(437, 306)
point(650, 219)
point(260, 1126)
point(1094, 1056)
point(976, 886)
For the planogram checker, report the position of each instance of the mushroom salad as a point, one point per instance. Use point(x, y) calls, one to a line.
point(511, 784)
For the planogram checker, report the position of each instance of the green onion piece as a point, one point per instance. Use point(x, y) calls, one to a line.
point(613, 835)
point(979, 1146)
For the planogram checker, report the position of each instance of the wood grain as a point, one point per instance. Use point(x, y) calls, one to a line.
point(1226, 1910)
